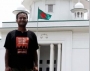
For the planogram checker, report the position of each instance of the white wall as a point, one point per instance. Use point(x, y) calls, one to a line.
point(2, 64)
point(61, 9)
point(2, 52)
point(80, 60)
point(3, 35)
point(80, 51)
point(81, 40)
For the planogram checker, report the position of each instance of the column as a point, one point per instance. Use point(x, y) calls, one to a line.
point(51, 57)
point(38, 51)
point(59, 58)
point(0, 36)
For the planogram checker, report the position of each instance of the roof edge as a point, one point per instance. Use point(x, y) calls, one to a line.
point(49, 21)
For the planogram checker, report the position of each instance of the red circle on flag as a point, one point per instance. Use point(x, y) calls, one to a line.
point(43, 15)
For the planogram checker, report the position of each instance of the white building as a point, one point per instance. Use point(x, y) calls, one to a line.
point(63, 40)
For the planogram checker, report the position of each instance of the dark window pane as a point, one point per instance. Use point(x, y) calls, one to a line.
point(50, 8)
point(41, 61)
point(54, 69)
point(48, 61)
point(54, 61)
point(40, 69)
point(47, 69)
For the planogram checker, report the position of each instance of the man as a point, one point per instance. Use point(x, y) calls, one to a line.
point(21, 47)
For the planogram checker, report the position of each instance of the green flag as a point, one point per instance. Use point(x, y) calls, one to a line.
point(43, 15)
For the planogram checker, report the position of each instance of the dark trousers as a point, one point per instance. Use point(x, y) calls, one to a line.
point(21, 69)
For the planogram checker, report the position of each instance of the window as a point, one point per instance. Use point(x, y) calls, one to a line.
point(78, 14)
point(41, 61)
point(47, 69)
point(50, 8)
point(48, 61)
point(40, 69)
point(54, 69)
point(54, 61)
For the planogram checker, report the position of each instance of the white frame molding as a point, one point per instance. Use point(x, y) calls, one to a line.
point(64, 54)
point(65, 38)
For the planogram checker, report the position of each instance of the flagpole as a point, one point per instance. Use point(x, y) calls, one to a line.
point(39, 48)
point(38, 51)
point(37, 28)
point(41, 15)
point(89, 35)
point(37, 24)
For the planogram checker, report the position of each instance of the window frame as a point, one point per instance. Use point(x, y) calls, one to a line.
point(50, 7)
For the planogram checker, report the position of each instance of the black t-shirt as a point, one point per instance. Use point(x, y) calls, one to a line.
point(21, 48)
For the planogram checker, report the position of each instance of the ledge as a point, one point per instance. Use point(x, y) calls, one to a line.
point(48, 21)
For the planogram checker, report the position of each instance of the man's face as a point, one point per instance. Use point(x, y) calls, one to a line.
point(22, 20)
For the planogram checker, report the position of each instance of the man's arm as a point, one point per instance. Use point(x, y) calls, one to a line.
point(7, 47)
point(7, 68)
point(35, 42)
point(36, 58)
point(6, 58)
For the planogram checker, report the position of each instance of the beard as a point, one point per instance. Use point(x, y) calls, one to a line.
point(22, 24)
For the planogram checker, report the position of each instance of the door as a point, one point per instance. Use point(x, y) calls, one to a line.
point(44, 62)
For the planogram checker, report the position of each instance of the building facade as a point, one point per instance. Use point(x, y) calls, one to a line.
point(63, 40)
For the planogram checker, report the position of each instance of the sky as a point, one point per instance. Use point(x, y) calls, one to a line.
point(6, 8)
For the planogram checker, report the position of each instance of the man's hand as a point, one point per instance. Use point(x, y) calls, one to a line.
point(8, 69)
point(35, 68)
